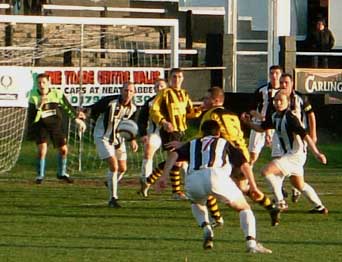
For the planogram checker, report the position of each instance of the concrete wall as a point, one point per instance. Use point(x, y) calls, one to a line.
point(197, 82)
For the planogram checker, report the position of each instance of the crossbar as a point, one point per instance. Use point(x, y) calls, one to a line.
point(27, 19)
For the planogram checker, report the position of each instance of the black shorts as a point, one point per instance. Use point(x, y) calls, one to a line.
point(55, 133)
point(168, 137)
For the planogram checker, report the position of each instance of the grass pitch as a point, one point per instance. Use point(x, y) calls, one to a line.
point(71, 222)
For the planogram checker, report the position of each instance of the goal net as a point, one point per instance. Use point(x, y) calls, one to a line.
point(12, 123)
point(13, 108)
point(68, 48)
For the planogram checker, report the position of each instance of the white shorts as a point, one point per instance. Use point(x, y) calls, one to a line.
point(106, 150)
point(256, 141)
point(291, 164)
point(154, 140)
point(211, 181)
point(277, 150)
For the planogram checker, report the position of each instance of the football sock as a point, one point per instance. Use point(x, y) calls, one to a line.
point(184, 167)
point(156, 173)
point(146, 167)
point(112, 180)
point(200, 213)
point(247, 223)
point(295, 191)
point(175, 179)
point(265, 201)
point(276, 183)
point(120, 176)
point(213, 208)
point(311, 194)
point(61, 165)
point(41, 167)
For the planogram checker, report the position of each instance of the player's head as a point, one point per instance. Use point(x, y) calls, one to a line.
point(127, 92)
point(210, 128)
point(281, 101)
point(176, 78)
point(214, 97)
point(274, 75)
point(43, 81)
point(286, 83)
point(159, 84)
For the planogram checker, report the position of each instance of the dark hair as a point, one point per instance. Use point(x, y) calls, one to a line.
point(175, 70)
point(216, 92)
point(287, 75)
point(210, 128)
point(276, 67)
point(160, 80)
point(320, 19)
point(43, 75)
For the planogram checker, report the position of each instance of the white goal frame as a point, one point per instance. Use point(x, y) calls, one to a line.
point(172, 24)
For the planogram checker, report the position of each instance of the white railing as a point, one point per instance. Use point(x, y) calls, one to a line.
point(5, 6)
point(48, 7)
point(319, 53)
point(251, 53)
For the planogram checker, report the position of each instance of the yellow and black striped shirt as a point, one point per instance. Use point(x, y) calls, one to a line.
point(175, 106)
point(230, 127)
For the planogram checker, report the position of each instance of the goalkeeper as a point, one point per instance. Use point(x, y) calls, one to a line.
point(45, 116)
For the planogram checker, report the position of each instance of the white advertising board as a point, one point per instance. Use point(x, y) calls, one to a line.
point(15, 82)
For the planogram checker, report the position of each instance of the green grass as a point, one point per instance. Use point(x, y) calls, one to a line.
point(71, 222)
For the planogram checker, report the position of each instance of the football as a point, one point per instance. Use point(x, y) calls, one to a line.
point(128, 129)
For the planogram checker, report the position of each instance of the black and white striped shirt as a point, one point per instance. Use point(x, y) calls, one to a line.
point(264, 99)
point(109, 111)
point(300, 107)
point(289, 130)
point(145, 123)
point(209, 152)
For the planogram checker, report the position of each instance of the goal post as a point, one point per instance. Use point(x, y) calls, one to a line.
point(13, 109)
point(83, 37)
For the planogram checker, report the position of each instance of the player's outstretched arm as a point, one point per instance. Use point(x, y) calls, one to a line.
point(246, 119)
point(319, 156)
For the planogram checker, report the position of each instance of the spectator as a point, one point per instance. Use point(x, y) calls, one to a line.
point(320, 40)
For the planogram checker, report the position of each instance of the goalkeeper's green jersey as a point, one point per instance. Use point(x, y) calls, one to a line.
point(50, 106)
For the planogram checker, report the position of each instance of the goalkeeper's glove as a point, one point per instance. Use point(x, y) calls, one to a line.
point(81, 126)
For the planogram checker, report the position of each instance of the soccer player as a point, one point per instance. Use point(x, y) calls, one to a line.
point(210, 161)
point(45, 119)
point(293, 140)
point(149, 132)
point(263, 103)
point(301, 107)
point(109, 111)
point(170, 110)
point(230, 129)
